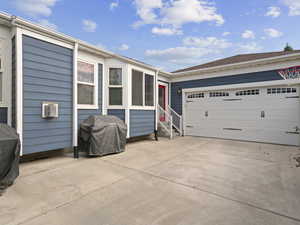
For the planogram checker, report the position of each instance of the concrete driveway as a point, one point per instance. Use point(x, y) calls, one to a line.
point(180, 182)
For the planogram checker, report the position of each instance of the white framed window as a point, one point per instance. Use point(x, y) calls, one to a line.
point(142, 89)
point(87, 85)
point(115, 87)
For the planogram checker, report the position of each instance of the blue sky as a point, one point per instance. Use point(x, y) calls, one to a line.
point(170, 34)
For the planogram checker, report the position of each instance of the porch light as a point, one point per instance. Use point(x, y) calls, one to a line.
point(179, 91)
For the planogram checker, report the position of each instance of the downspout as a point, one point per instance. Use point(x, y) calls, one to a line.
point(75, 109)
point(156, 104)
point(18, 80)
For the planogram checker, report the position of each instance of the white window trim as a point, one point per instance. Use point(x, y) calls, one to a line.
point(115, 86)
point(95, 85)
point(144, 106)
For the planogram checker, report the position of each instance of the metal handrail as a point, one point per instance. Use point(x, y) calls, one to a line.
point(169, 120)
point(179, 129)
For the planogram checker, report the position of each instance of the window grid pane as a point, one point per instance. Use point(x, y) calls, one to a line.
point(85, 72)
point(85, 94)
point(115, 76)
point(137, 88)
point(115, 96)
point(149, 85)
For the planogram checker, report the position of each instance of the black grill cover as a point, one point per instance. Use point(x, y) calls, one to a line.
point(102, 135)
point(9, 156)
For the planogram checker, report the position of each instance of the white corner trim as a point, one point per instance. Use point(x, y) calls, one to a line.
point(75, 109)
point(19, 85)
point(156, 98)
point(244, 85)
point(127, 121)
point(103, 102)
point(183, 94)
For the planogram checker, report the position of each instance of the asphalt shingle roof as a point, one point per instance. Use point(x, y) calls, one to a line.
point(238, 59)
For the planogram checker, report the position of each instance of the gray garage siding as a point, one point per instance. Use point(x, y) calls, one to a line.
point(141, 122)
point(85, 113)
point(47, 76)
point(120, 113)
point(176, 99)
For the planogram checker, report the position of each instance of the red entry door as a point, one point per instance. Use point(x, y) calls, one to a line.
point(162, 100)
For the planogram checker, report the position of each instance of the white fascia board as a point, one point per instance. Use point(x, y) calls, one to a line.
point(245, 85)
point(238, 71)
point(237, 65)
point(164, 78)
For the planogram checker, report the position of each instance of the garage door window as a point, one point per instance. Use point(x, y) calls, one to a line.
point(196, 95)
point(247, 92)
point(218, 94)
point(281, 90)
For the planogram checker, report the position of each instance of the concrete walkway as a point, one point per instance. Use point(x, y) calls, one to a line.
point(180, 182)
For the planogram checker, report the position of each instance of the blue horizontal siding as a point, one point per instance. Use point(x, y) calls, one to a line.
point(3, 115)
point(85, 113)
point(47, 76)
point(141, 122)
point(176, 99)
point(120, 113)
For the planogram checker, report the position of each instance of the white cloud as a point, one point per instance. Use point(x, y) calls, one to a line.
point(226, 34)
point(123, 47)
point(192, 51)
point(35, 7)
point(145, 10)
point(46, 23)
point(273, 33)
point(113, 5)
point(294, 7)
point(166, 31)
point(209, 42)
point(252, 47)
point(176, 13)
point(180, 12)
point(248, 34)
point(89, 25)
point(178, 55)
point(273, 11)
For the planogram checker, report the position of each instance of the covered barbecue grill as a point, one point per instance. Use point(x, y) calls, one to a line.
point(9, 156)
point(102, 135)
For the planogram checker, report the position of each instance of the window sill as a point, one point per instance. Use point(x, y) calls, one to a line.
point(143, 107)
point(87, 107)
point(115, 107)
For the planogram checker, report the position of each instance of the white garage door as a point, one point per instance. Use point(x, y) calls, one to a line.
point(268, 115)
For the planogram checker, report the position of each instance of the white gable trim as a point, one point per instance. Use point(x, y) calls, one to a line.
point(239, 71)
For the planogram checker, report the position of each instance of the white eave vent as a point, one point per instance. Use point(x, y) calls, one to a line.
point(49, 110)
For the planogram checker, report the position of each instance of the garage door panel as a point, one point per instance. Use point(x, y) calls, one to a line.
point(264, 117)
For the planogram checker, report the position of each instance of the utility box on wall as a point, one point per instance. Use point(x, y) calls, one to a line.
point(49, 110)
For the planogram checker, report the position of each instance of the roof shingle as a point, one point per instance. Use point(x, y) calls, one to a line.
point(238, 59)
